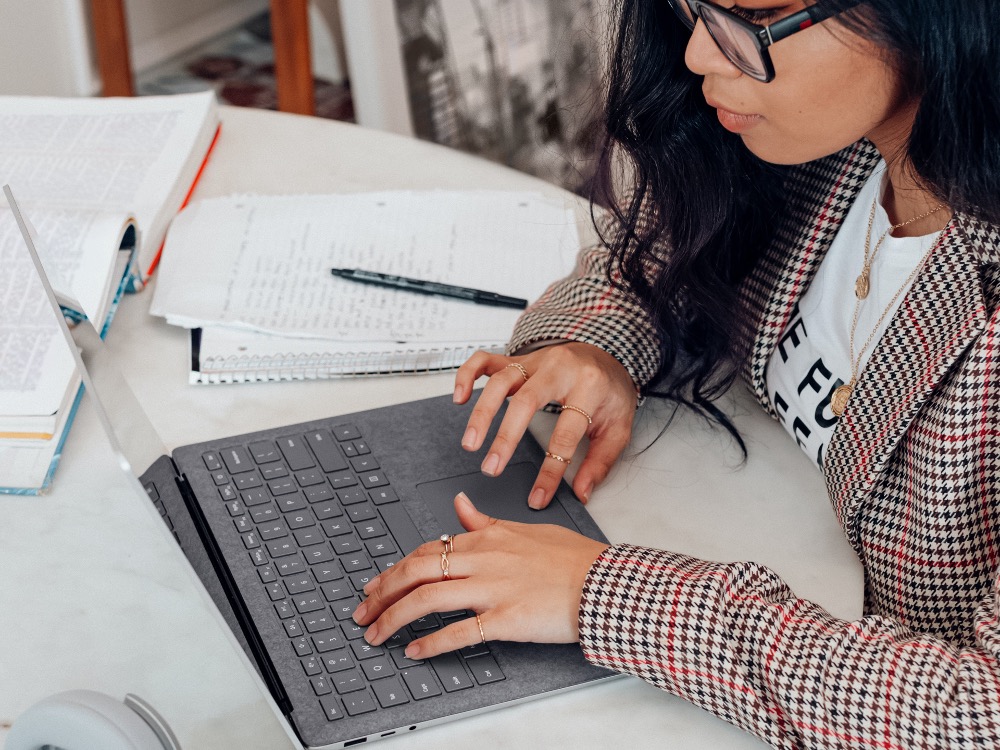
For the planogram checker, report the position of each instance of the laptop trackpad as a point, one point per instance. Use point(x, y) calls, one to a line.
point(505, 496)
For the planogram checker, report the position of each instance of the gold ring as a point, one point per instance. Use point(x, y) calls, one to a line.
point(560, 459)
point(520, 367)
point(479, 622)
point(445, 566)
point(578, 410)
point(449, 542)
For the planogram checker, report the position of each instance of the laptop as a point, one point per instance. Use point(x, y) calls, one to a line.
point(285, 526)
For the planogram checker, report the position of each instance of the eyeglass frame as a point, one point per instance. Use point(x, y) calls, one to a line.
point(763, 36)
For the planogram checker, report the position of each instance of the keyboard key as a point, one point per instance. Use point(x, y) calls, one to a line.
point(308, 603)
point(402, 660)
point(273, 471)
point(374, 479)
point(485, 669)
point(318, 553)
point(352, 496)
point(383, 496)
point(259, 557)
point(267, 574)
point(212, 461)
point(264, 452)
point(246, 481)
point(328, 509)
point(456, 614)
point(384, 563)
point(308, 537)
point(235, 508)
point(337, 590)
point(220, 477)
point(275, 590)
point(344, 609)
point(290, 565)
point(337, 528)
point(302, 647)
point(349, 681)
point(285, 486)
point(420, 683)
point(255, 497)
point(341, 480)
point(273, 530)
point(398, 639)
point(282, 548)
point(331, 708)
point(346, 544)
point(338, 661)
point(362, 464)
point(361, 513)
point(371, 530)
point(228, 493)
point(390, 693)
point(326, 451)
point(360, 579)
point(243, 524)
point(330, 571)
point(296, 453)
point(476, 649)
point(361, 447)
point(364, 650)
point(352, 631)
point(377, 668)
point(293, 628)
point(450, 672)
point(318, 621)
point(349, 450)
point(291, 502)
point(284, 609)
point(300, 584)
point(310, 478)
point(379, 547)
point(300, 520)
point(356, 562)
point(264, 513)
point(328, 641)
point(359, 703)
point(319, 493)
point(250, 540)
point(321, 685)
point(311, 666)
point(346, 432)
point(425, 623)
point(237, 460)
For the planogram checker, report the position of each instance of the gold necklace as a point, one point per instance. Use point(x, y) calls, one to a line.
point(841, 394)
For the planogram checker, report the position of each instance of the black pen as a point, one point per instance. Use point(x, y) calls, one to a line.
point(429, 287)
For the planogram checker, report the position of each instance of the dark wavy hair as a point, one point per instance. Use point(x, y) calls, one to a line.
point(696, 189)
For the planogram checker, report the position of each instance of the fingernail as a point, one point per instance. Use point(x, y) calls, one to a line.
point(537, 498)
point(412, 651)
point(469, 439)
point(372, 633)
point(368, 587)
point(491, 464)
point(585, 496)
point(457, 395)
point(360, 612)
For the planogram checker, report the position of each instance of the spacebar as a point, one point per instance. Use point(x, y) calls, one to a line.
point(401, 526)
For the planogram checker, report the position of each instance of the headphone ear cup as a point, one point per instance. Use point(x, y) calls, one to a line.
point(81, 720)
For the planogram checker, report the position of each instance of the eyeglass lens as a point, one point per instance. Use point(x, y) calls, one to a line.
point(735, 41)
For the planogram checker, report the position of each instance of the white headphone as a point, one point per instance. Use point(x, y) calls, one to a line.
point(88, 720)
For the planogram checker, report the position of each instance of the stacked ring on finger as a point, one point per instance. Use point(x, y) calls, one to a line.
point(560, 459)
point(578, 410)
point(520, 368)
point(449, 546)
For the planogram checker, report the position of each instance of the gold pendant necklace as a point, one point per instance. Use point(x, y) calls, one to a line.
point(862, 286)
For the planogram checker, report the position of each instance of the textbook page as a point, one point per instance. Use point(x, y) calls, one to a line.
point(263, 262)
point(139, 155)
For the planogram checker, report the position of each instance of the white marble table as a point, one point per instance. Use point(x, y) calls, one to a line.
point(93, 594)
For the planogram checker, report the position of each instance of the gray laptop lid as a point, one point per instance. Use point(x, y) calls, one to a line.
point(417, 446)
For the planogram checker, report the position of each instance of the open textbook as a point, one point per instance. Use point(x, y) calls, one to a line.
point(97, 180)
point(268, 308)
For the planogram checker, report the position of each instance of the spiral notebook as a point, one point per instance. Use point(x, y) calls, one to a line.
point(220, 355)
point(262, 304)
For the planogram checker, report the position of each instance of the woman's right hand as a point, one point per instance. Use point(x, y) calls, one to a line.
point(573, 374)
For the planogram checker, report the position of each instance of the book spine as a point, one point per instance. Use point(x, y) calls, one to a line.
point(258, 369)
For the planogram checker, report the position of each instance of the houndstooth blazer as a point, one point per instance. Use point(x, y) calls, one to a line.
point(913, 473)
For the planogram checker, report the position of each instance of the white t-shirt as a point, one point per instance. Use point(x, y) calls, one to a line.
point(813, 354)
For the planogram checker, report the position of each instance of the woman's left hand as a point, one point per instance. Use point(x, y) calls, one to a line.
point(525, 582)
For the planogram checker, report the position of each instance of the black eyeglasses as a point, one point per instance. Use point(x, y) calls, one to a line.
point(744, 43)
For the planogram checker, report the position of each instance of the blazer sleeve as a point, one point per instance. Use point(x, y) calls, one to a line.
point(588, 308)
point(733, 639)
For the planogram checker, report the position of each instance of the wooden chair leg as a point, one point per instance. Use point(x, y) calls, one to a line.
point(111, 44)
point(292, 59)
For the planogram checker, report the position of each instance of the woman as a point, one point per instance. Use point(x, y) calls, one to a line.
point(836, 193)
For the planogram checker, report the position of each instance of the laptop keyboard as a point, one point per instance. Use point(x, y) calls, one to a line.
point(319, 519)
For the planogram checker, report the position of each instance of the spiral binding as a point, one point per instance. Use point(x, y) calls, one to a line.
point(253, 368)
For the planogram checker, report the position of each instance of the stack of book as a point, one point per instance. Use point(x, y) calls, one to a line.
point(98, 180)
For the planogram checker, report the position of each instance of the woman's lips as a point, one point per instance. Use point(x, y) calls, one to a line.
point(735, 122)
